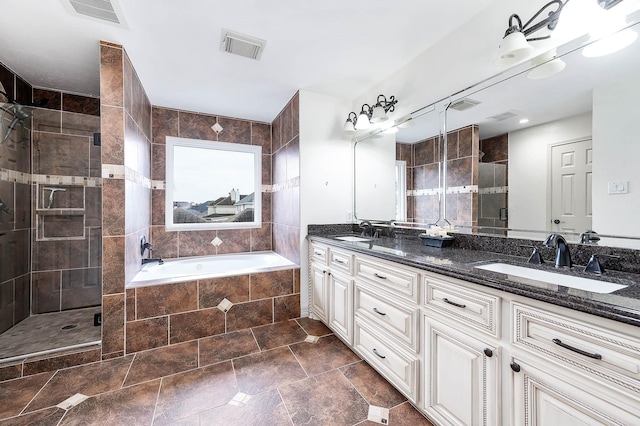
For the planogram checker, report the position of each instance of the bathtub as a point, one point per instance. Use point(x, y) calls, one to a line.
point(195, 268)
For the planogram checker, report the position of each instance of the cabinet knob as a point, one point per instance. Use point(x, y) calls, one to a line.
point(488, 352)
point(515, 366)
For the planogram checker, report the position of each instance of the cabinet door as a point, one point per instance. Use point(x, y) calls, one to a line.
point(341, 306)
point(548, 395)
point(461, 377)
point(319, 292)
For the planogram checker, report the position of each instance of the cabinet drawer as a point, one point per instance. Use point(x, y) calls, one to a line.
point(318, 252)
point(476, 309)
point(400, 281)
point(396, 365)
point(397, 318)
point(340, 261)
point(601, 352)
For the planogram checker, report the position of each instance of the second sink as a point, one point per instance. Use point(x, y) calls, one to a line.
point(513, 272)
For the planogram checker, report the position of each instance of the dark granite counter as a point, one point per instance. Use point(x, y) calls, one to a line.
point(622, 305)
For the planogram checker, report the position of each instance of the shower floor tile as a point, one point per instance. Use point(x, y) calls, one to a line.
point(44, 332)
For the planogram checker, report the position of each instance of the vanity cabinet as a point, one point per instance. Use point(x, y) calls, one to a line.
point(564, 367)
point(466, 354)
point(547, 394)
point(462, 353)
point(331, 293)
point(461, 378)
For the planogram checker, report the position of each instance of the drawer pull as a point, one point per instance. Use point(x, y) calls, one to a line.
point(580, 351)
point(382, 277)
point(375, 351)
point(378, 312)
point(459, 305)
point(488, 352)
point(342, 262)
point(318, 253)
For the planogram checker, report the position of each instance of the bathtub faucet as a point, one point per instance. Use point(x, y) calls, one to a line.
point(151, 260)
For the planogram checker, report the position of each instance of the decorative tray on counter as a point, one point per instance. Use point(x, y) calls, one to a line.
point(436, 241)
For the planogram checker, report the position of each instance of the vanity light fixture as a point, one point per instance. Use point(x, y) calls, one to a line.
point(610, 44)
point(515, 45)
point(370, 114)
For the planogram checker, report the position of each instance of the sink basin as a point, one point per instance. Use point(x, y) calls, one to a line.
point(352, 238)
point(523, 274)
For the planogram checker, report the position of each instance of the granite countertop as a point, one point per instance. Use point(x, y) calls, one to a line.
point(621, 305)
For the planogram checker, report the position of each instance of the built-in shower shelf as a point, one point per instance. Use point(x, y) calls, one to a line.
point(60, 225)
point(59, 212)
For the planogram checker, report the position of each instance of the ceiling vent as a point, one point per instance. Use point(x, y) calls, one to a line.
point(504, 116)
point(241, 44)
point(102, 10)
point(463, 104)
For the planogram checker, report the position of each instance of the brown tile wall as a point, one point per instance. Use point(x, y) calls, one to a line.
point(66, 258)
point(422, 174)
point(14, 225)
point(172, 122)
point(126, 148)
point(174, 313)
point(285, 131)
point(496, 151)
point(152, 317)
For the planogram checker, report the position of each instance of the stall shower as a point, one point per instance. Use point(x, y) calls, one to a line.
point(50, 220)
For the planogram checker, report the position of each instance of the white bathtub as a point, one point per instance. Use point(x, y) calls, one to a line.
point(195, 268)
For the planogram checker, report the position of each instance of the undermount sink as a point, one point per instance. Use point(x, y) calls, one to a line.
point(522, 274)
point(352, 238)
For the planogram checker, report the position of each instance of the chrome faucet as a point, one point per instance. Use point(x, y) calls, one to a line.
point(151, 260)
point(563, 256)
point(144, 245)
point(367, 228)
point(589, 237)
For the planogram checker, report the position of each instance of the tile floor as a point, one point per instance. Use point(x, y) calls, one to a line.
point(267, 375)
point(45, 332)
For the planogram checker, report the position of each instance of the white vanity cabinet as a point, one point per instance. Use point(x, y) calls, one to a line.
point(386, 321)
point(566, 368)
point(466, 354)
point(331, 293)
point(462, 353)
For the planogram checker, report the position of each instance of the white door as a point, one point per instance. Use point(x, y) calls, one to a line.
point(571, 187)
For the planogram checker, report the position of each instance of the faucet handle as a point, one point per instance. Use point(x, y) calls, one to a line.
point(594, 264)
point(535, 257)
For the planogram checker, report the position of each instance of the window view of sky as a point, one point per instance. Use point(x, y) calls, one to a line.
point(205, 174)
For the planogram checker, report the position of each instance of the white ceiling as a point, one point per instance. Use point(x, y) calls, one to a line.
point(339, 48)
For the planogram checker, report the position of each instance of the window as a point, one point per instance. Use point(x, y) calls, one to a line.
point(212, 185)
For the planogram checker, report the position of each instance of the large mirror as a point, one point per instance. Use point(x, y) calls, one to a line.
point(561, 151)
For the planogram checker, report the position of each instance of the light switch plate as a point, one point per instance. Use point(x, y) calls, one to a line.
point(618, 187)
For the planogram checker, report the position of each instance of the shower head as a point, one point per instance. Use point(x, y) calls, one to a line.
point(19, 111)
